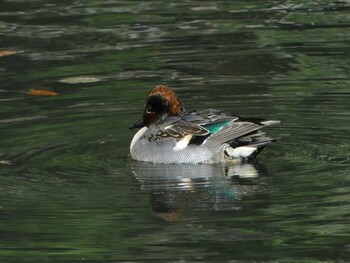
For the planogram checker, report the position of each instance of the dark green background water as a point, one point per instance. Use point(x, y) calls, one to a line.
point(68, 189)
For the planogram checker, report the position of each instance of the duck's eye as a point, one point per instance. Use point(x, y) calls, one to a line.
point(148, 108)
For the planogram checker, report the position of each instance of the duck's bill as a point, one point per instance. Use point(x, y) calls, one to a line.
point(138, 124)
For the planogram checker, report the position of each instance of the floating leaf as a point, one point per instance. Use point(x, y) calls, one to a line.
point(79, 79)
point(41, 92)
point(7, 52)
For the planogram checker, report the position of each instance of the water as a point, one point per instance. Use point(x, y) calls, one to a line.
point(68, 189)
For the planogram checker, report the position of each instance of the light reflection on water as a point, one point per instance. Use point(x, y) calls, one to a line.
point(68, 189)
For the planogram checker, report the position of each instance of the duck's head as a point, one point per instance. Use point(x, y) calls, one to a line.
point(160, 103)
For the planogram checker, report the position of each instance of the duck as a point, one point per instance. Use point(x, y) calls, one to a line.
point(169, 134)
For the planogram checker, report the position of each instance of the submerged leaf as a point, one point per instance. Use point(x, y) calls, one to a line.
point(41, 92)
point(5, 162)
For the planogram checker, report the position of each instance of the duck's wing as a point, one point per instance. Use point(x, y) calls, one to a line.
point(178, 128)
point(211, 119)
point(237, 129)
point(212, 127)
point(197, 123)
point(207, 116)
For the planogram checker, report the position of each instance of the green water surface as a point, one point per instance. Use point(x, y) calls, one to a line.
point(69, 191)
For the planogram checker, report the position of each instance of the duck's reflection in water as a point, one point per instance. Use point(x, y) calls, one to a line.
point(176, 188)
